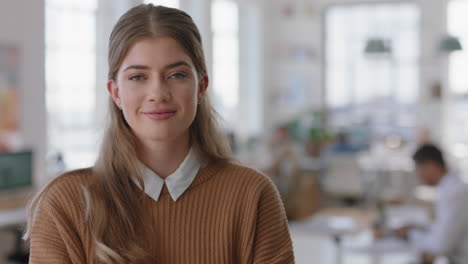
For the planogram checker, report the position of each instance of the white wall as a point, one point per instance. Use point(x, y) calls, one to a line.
point(22, 24)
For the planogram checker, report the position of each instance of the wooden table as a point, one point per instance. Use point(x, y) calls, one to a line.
point(13, 210)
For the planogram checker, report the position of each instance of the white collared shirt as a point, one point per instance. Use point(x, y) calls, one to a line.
point(177, 183)
point(448, 235)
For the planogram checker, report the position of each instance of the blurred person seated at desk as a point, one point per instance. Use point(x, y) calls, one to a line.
point(448, 234)
point(343, 144)
point(283, 159)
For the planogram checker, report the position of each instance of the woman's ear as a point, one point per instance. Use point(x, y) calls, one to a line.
point(203, 86)
point(114, 92)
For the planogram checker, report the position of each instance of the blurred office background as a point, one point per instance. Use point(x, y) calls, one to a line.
point(329, 98)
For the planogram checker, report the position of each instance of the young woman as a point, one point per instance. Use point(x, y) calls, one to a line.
point(164, 188)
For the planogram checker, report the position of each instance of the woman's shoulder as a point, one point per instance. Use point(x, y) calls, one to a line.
point(60, 207)
point(70, 179)
point(66, 190)
point(245, 176)
point(247, 185)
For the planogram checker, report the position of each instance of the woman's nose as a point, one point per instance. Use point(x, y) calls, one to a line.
point(159, 91)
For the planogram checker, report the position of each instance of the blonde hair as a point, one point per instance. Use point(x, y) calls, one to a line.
point(113, 203)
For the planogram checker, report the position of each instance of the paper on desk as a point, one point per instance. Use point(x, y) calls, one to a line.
point(329, 225)
point(407, 215)
point(383, 246)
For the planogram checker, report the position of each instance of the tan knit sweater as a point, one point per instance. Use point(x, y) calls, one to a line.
point(230, 214)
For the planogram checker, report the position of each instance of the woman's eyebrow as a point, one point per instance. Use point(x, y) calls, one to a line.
point(169, 66)
point(176, 64)
point(137, 67)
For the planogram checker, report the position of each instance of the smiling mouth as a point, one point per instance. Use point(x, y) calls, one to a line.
point(164, 115)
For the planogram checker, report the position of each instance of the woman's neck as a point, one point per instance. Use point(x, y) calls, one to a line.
point(164, 157)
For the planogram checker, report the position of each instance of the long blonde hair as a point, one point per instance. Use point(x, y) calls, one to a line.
point(114, 208)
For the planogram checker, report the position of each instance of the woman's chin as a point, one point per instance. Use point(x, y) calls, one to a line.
point(162, 136)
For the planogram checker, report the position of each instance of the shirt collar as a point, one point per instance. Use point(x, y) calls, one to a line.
point(177, 183)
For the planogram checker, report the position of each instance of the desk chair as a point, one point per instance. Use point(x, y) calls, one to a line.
point(14, 220)
point(19, 255)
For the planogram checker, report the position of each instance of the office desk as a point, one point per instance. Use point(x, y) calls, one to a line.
point(396, 217)
point(337, 223)
point(12, 217)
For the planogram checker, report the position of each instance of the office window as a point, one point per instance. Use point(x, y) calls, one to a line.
point(225, 28)
point(70, 79)
point(168, 3)
point(456, 108)
point(376, 89)
point(457, 22)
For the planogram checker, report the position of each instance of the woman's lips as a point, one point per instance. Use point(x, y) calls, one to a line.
point(162, 115)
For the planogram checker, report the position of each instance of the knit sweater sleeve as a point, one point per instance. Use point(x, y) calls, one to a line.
point(54, 233)
point(272, 241)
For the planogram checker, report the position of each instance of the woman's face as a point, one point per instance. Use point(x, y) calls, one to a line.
point(157, 88)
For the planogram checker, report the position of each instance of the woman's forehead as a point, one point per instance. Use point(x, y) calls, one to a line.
point(157, 52)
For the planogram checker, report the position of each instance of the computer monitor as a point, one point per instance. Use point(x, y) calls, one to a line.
point(16, 170)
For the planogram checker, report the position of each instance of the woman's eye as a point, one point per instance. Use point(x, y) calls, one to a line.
point(136, 78)
point(179, 75)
